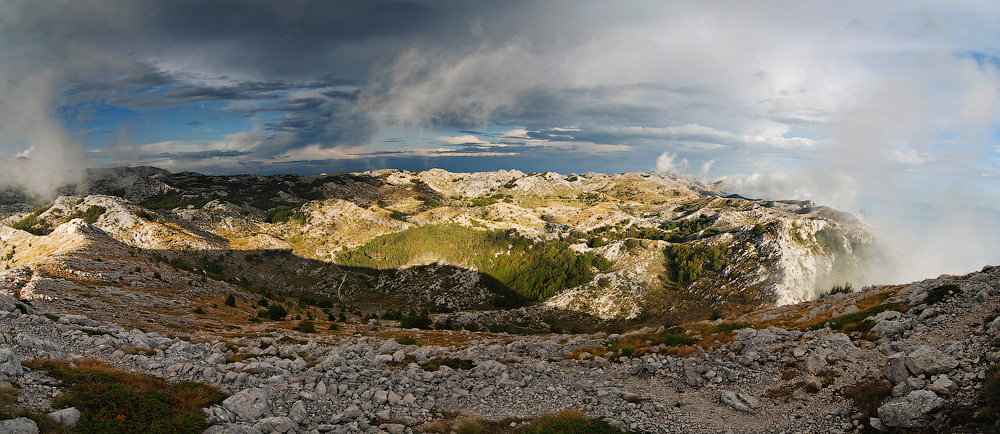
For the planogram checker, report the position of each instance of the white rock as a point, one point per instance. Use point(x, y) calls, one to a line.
point(67, 416)
point(739, 401)
point(911, 410)
point(21, 425)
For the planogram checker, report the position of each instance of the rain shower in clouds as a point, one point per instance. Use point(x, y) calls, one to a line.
point(872, 107)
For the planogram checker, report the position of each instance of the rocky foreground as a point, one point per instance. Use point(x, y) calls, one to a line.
point(936, 358)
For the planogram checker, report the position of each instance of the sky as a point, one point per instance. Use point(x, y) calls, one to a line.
point(886, 109)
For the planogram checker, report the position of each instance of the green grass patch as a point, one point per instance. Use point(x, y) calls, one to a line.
point(171, 200)
point(687, 263)
point(831, 240)
point(284, 214)
point(525, 267)
point(940, 293)
point(857, 322)
point(113, 401)
point(730, 327)
point(91, 215)
point(33, 224)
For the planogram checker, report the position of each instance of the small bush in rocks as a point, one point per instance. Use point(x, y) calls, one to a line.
point(867, 396)
point(453, 363)
point(982, 416)
point(569, 422)
point(113, 401)
point(938, 294)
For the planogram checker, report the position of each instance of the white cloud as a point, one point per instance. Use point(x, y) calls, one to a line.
point(762, 138)
point(667, 162)
point(838, 190)
point(909, 157)
point(705, 168)
point(462, 140)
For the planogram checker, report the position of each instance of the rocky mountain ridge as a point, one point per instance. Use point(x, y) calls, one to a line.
point(766, 252)
point(393, 301)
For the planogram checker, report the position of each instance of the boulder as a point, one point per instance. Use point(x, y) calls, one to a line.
point(942, 385)
point(21, 425)
point(10, 364)
point(891, 328)
point(739, 401)
point(249, 404)
point(812, 364)
point(232, 429)
point(393, 428)
point(219, 414)
point(887, 315)
point(67, 416)
point(928, 360)
point(895, 368)
point(78, 320)
point(380, 397)
point(298, 413)
point(994, 327)
point(7, 303)
point(281, 425)
point(910, 411)
point(692, 376)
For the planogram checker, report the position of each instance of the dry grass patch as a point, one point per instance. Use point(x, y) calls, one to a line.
point(136, 350)
point(599, 350)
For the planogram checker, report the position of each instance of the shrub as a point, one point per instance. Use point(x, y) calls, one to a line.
point(199, 310)
point(113, 401)
point(569, 422)
point(91, 214)
point(672, 337)
point(858, 322)
point(867, 396)
point(306, 327)
point(453, 363)
point(470, 426)
point(729, 327)
point(231, 300)
point(32, 224)
point(846, 289)
point(421, 321)
point(274, 312)
point(602, 263)
point(938, 294)
point(686, 264)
